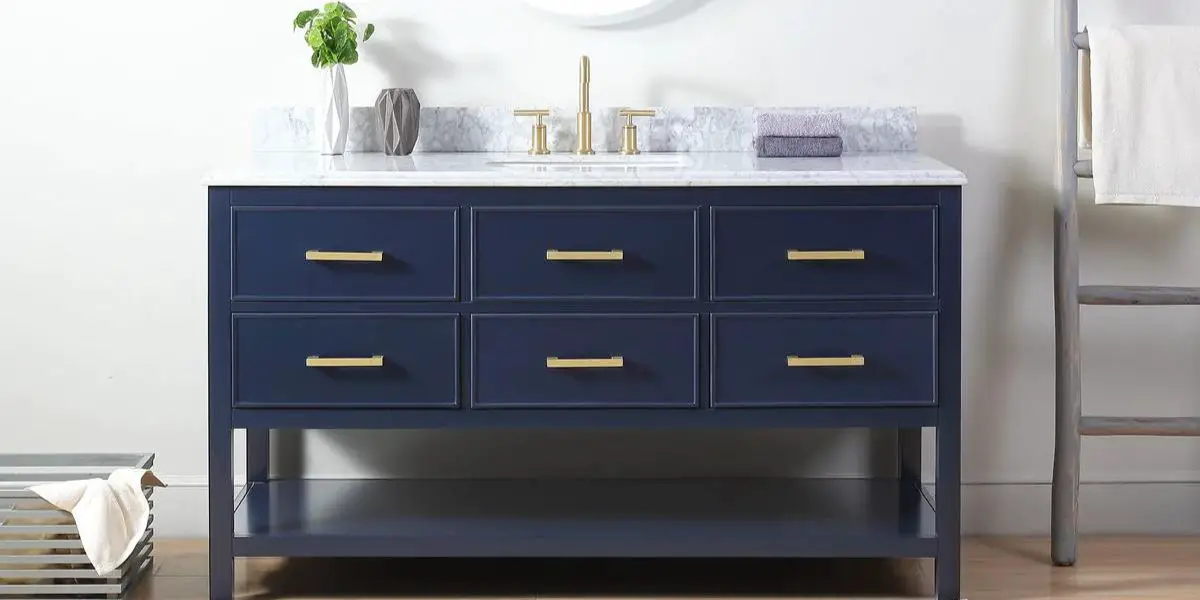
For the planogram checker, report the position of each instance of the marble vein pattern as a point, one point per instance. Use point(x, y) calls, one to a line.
point(673, 129)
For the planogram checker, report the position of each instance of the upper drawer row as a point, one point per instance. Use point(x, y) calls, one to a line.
point(412, 254)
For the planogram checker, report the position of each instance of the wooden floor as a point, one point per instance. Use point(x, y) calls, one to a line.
point(1008, 569)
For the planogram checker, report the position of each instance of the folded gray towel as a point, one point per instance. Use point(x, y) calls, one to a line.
point(817, 124)
point(798, 147)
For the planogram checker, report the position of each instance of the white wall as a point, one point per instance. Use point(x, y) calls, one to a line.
point(112, 114)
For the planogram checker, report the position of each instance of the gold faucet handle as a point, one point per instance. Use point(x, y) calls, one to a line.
point(539, 145)
point(629, 141)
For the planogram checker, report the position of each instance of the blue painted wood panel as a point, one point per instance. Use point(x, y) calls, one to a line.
point(751, 245)
point(533, 417)
point(745, 517)
point(659, 246)
point(419, 246)
point(750, 360)
point(659, 354)
point(420, 361)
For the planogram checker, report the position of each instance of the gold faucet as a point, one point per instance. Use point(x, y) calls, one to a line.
point(584, 119)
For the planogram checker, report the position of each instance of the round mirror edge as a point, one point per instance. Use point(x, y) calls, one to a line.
point(599, 13)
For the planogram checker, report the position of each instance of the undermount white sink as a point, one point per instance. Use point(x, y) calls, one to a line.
point(605, 161)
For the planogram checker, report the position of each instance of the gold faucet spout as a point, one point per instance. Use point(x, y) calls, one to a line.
point(584, 119)
point(585, 84)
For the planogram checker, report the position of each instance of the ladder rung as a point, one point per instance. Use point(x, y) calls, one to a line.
point(1083, 168)
point(1147, 426)
point(1133, 295)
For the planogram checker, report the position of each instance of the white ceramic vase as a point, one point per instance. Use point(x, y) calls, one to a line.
point(334, 110)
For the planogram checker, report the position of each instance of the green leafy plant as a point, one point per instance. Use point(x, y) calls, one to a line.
point(331, 33)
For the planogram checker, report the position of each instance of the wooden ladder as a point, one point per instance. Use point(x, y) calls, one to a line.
point(1070, 424)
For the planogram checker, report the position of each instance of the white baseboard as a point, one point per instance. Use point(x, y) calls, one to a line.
point(988, 509)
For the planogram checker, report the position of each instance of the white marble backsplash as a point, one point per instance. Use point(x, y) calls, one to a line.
point(674, 129)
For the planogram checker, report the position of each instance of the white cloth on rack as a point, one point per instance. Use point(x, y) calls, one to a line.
point(1146, 115)
point(111, 514)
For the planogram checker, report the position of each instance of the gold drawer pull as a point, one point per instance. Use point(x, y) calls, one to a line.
point(854, 360)
point(616, 362)
point(801, 255)
point(370, 362)
point(560, 255)
point(323, 256)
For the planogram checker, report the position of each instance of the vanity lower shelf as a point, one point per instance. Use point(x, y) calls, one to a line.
point(627, 518)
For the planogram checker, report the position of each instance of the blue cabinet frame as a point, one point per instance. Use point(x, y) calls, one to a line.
point(886, 517)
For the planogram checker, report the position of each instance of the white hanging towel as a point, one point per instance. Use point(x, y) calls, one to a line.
point(111, 514)
point(1146, 115)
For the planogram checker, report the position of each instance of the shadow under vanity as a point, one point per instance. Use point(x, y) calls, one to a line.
point(468, 290)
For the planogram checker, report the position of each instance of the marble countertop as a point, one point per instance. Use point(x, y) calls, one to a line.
point(566, 170)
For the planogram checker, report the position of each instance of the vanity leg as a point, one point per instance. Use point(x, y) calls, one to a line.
point(258, 471)
point(258, 455)
point(908, 455)
point(220, 402)
point(948, 493)
point(947, 498)
point(220, 505)
point(909, 450)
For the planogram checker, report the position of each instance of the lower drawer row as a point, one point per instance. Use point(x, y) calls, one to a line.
point(584, 361)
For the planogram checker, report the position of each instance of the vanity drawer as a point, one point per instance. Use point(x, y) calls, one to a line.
point(826, 253)
point(584, 361)
point(562, 253)
point(345, 254)
point(824, 360)
point(345, 361)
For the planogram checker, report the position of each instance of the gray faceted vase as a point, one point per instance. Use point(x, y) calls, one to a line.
point(399, 112)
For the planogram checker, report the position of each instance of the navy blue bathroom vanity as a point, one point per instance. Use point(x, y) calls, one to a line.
point(441, 292)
